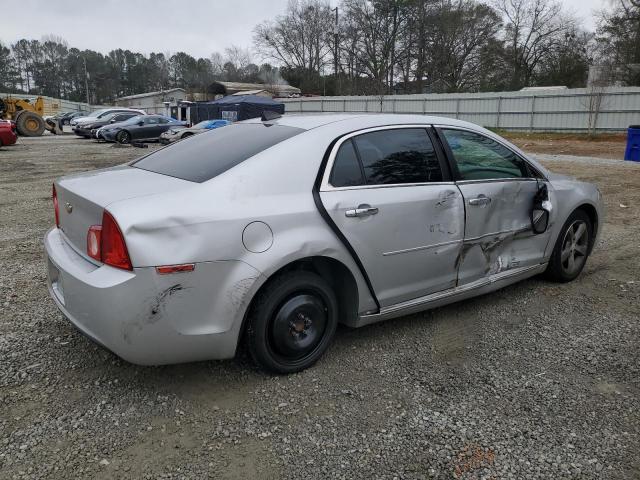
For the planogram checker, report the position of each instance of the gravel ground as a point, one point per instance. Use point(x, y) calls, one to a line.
point(538, 380)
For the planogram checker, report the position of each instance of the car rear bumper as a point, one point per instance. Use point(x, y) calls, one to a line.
point(147, 318)
point(8, 137)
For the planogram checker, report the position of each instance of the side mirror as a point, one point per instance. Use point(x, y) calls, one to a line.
point(541, 211)
point(140, 123)
point(539, 220)
point(113, 120)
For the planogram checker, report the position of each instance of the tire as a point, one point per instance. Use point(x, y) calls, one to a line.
point(123, 137)
point(186, 135)
point(30, 124)
point(291, 322)
point(572, 248)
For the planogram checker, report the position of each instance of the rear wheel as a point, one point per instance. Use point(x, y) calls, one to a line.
point(292, 322)
point(186, 135)
point(123, 137)
point(30, 124)
point(571, 249)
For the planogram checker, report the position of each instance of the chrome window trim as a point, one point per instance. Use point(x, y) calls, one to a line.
point(326, 186)
point(524, 159)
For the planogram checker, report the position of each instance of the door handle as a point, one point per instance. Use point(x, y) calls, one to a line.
point(361, 211)
point(480, 200)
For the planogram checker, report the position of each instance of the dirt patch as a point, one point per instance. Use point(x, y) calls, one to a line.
point(602, 145)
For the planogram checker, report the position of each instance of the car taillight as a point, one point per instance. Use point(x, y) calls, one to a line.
point(54, 196)
point(106, 243)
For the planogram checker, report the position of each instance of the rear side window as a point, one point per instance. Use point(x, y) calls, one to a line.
point(346, 168)
point(398, 156)
point(208, 155)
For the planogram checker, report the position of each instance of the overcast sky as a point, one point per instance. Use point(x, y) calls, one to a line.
point(198, 27)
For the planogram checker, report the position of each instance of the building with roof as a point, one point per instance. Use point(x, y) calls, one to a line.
point(222, 89)
point(153, 100)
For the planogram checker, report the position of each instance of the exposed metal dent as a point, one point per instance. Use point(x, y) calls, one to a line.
point(479, 287)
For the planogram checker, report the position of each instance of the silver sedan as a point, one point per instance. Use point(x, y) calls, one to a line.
point(273, 232)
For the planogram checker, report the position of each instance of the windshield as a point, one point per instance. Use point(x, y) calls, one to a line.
point(109, 116)
point(209, 154)
point(97, 113)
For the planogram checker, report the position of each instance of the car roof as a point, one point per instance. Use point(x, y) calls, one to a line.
point(344, 123)
point(311, 121)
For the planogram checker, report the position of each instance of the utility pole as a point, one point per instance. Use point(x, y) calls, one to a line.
point(335, 49)
point(86, 79)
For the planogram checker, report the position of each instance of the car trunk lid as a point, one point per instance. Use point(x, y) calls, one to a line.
point(82, 198)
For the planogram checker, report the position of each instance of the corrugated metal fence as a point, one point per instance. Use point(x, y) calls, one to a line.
point(611, 109)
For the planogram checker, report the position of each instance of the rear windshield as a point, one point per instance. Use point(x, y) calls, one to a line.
point(209, 154)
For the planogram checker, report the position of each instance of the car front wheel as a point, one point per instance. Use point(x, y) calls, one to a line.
point(292, 322)
point(571, 249)
point(123, 137)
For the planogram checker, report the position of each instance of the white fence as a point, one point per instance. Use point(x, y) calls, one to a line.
point(612, 109)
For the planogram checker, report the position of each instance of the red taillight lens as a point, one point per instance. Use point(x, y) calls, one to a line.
point(94, 240)
point(114, 250)
point(54, 196)
point(105, 243)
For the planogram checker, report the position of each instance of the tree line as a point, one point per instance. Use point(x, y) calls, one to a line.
point(359, 47)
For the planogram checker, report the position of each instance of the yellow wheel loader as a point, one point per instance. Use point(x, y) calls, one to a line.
point(28, 116)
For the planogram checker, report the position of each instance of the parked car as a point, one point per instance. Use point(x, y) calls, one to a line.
point(273, 232)
point(66, 119)
point(97, 114)
point(63, 117)
point(178, 133)
point(84, 129)
point(8, 134)
point(144, 128)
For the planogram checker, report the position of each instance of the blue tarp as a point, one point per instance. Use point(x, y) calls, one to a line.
point(234, 108)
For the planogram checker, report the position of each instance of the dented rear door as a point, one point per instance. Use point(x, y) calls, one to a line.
point(498, 188)
point(385, 191)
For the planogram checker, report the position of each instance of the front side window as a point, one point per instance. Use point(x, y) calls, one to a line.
point(481, 158)
point(398, 156)
point(152, 120)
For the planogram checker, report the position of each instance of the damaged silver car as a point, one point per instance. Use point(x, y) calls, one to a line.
point(271, 232)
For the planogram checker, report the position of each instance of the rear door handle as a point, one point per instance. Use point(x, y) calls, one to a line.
point(361, 211)
point(480, 200)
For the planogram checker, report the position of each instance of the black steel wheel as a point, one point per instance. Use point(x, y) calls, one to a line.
point(123, 137)
point(292, 322)
point(572, 248)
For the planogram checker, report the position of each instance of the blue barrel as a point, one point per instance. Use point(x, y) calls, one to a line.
point(633, 144)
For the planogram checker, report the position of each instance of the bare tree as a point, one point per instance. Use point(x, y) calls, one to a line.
point(298, 39)
point(532, 29)
point(618, 38)
point(374, 28)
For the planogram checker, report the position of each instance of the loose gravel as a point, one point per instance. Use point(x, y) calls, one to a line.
point(538, 380)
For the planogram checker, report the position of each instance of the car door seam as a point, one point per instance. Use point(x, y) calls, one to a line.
point(327, 218)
